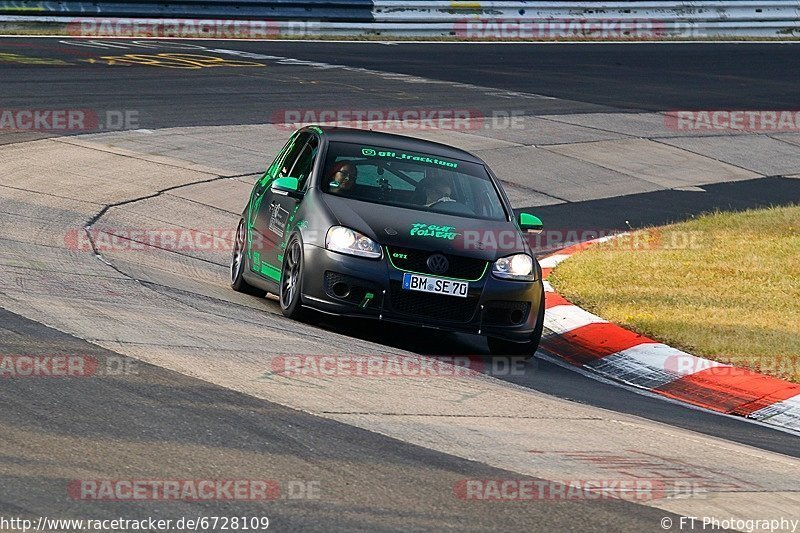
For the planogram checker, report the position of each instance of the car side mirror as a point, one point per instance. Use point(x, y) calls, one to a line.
point(530, 223)
point(286, 187)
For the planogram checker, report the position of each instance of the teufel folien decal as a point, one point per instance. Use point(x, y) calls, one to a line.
point(431, 230)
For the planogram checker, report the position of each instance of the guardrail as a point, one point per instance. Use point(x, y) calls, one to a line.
point(330, 10)
point(500, 20)
point(580, 19)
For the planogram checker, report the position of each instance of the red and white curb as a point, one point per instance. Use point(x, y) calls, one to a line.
point(588, 341)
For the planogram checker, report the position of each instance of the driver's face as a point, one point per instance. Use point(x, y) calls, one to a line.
point(345, 177)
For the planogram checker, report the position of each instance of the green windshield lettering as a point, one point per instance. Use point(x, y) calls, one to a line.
point(431, 160)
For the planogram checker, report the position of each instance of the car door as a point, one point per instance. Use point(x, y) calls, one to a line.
point(274, 211)
point(255, 226)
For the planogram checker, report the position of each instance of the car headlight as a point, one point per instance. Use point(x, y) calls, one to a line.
point(517, 267)
point(347, 241)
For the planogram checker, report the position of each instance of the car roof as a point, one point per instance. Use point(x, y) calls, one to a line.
point(399, 142)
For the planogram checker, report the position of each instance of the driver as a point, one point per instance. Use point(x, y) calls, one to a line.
point(437, 190)
point(343, 177)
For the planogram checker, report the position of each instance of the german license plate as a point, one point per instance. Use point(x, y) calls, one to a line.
point(415, 282)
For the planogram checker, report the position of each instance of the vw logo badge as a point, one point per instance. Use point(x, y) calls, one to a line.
point(438, 264)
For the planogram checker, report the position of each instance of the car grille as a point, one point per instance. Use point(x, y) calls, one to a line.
point(439, 306)
point(460, 267)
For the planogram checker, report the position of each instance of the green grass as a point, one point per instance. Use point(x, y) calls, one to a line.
point(725, 286)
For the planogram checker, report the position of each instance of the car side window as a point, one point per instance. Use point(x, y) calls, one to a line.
point(292, 154)
point(305, 163)
point(272, 170)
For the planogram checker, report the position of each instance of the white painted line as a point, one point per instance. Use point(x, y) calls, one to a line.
point(564, 318)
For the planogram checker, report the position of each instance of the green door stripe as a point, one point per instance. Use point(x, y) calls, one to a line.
point(271, 272)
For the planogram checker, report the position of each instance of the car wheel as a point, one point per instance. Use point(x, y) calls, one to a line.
point(292, 280)
point(524, 349)
point(238, 282)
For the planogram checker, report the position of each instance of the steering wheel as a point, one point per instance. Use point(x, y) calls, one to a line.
point(440, 200)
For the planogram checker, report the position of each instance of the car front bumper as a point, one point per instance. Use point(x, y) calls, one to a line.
point(346, 285)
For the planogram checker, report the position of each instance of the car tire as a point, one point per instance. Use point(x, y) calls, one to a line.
point(238, 282)
point(525, 349)
point(291, 283)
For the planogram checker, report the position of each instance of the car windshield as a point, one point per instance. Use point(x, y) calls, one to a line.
point(413, 180)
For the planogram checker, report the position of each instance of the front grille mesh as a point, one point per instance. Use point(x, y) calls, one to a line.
point(413, 260)
point(439, 306)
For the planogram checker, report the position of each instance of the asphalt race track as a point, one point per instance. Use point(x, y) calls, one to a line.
point(653, 77)
point(157, 421)
point(198, 407)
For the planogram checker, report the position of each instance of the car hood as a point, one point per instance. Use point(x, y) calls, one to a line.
point(425, 230)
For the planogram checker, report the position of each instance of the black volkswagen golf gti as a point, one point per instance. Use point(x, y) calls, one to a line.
point(360, 223)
